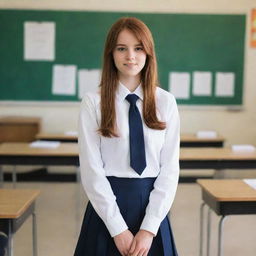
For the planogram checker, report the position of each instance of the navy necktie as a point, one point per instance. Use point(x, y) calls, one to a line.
point(137, 146)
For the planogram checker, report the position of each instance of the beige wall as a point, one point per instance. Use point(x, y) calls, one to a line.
point(236, 126)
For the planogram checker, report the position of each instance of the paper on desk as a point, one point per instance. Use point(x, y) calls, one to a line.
point(72, 133)
point(243, 148)
point(44, 144)
point(206, 134)
point(64, 80)
point(179, 84)
point(39, 41)
point(251, 182)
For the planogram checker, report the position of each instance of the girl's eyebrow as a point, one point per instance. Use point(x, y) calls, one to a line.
point(126, 45)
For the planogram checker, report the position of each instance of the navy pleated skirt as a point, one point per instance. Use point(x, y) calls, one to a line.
point(132, 195)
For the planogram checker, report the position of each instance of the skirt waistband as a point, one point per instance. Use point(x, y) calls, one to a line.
point(131, 182)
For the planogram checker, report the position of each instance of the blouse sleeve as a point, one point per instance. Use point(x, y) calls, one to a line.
point(94, 180)
point(165, 186)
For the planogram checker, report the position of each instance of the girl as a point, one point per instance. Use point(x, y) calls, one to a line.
point(129, 151)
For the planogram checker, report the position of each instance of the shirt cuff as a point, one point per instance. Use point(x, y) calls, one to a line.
point(151, 224)
point(116, 226)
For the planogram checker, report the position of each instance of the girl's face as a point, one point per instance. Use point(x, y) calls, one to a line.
point(129, 55)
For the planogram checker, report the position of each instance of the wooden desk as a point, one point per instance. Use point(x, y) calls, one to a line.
point(62, 137)
point(19, 129)
point(224, 197)
point(67, 154)
point(23, 154)
point(216, 158)
point(16, 205)
point(187, 140)
point(191, 140)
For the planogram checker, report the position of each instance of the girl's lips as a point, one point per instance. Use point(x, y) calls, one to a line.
point(130, 65)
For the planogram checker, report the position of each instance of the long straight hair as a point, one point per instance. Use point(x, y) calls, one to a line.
point(109, 77)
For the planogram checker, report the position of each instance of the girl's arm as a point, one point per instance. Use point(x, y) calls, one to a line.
point(165, 186)
point(93, 177)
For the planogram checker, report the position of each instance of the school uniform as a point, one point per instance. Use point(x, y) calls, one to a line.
point(119, 197)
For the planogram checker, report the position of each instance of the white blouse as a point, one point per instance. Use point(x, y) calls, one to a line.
point(100, 157)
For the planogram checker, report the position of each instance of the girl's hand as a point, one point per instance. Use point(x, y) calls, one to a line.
point(141, 243)
point(123, 242)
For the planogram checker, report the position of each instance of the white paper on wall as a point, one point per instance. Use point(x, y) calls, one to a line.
point(225, 84)
point(88, 81)
point(202, 83)
point(64, 80)
point(179, 84)
point(39, 41)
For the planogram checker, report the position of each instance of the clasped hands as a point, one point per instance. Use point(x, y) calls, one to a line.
point(138, 245)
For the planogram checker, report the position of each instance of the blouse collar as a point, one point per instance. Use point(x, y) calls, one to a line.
point(123, 91)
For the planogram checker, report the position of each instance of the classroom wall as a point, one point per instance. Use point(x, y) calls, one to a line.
point(236, 126)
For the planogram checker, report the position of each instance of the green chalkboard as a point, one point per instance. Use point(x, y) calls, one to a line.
point(184, 43)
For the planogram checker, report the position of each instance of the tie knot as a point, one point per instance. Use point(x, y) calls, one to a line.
point(132, 98)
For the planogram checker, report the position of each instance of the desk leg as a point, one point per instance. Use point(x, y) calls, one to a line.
point(201, 229)
point(219, 174)
point(34, 232)
point(78, 175)
point(1, 177)
point(208, 232)
point(221, 222)
point(10, 239)
point(14, 177)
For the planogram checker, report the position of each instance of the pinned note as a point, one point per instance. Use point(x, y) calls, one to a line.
point(202, 83)
point(179, 84)
point(88, 81)
point(64, 80)
point(39, 41)
point(225, 84)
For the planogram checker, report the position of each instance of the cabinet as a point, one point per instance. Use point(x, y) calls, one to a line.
point(19, 129)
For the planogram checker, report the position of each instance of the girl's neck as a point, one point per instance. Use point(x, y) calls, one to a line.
point(131, 83)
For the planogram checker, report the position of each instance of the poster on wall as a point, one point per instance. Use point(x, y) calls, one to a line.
point(253, 28)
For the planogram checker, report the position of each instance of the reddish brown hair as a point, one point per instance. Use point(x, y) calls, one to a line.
point(109, 78)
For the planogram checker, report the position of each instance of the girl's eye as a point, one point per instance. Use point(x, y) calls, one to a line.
point(138, 49)
point(120, 49)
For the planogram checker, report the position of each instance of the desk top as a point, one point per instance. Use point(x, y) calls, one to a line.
point(14, 202)
point(228, 190)
point(214, 154)
point(55, 136)
point(184, 137)
point(71, 149)
point(23, 149)
point(19, 120)
point(190, 137)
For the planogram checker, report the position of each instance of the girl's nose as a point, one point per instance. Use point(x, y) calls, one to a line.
point(130, 55)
